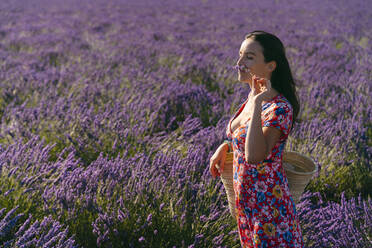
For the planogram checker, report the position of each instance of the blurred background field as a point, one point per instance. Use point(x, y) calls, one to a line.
point(111, 110)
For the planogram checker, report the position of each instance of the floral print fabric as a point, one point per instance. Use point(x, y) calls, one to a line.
point(265, 210)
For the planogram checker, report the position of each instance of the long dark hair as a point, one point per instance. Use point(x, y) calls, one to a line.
point(281, 78)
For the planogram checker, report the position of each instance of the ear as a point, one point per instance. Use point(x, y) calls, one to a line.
point(271, 65)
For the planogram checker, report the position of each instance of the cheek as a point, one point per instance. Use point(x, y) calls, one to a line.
point(254, 65)
point(258, 67)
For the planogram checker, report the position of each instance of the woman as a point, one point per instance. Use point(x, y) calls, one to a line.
point(265, 210)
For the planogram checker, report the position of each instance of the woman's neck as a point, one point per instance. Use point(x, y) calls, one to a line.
point(275, 94)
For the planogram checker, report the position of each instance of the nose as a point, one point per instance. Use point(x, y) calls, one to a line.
point(239, 61)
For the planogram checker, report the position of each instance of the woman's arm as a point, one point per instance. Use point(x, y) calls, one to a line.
point(259, 140)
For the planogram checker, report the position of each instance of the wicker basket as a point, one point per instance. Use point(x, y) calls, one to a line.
point(298, 168)
point(228, 183)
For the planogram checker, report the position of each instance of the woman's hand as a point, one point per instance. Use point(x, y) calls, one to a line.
point(217, 161)
point(262, 90)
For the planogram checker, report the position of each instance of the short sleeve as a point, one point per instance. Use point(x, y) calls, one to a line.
point(279, 115)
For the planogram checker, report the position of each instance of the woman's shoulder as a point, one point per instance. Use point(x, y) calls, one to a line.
point(283, 102)
point(279, 101)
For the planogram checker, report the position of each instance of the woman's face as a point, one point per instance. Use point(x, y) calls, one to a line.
point(251, 57)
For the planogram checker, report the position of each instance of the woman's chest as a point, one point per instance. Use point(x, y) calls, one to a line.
point(243, 118)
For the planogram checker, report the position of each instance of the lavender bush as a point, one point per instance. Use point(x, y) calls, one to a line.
point(45, 233)
point(329, 224)
point(110, 111)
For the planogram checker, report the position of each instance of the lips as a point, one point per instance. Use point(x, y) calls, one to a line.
point(242, 68)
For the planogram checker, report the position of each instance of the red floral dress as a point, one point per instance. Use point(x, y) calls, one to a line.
point(265, 210)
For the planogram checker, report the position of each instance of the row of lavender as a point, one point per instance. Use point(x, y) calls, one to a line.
point(116, 89)
point(168, 200)
point(46, 233)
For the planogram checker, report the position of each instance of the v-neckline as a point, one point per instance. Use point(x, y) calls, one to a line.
point(241, 109)
point(236, 114)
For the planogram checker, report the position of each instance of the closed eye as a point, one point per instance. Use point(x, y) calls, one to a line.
point(247, 57)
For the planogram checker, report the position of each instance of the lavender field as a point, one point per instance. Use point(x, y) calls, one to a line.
point(111, 110)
